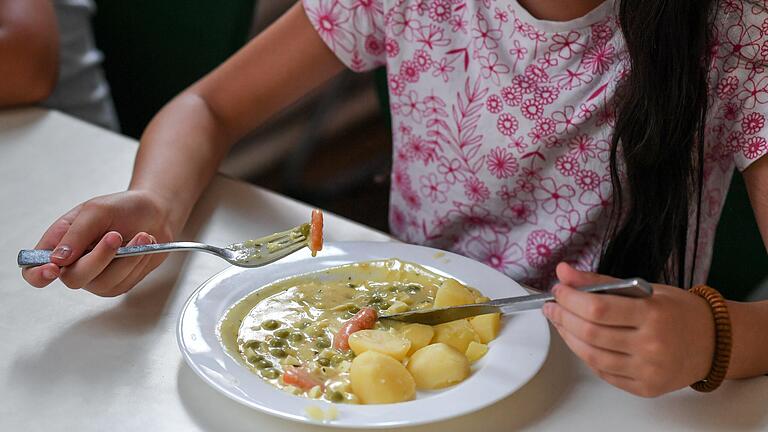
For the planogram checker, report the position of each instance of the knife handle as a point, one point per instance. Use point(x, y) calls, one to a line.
point(635, 287)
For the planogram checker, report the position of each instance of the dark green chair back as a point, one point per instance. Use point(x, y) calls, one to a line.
point(739, 262)
point(156, 48)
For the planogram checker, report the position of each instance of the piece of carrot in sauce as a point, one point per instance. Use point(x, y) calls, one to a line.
point(301, 378)
point(364, 319)
point(316, 232)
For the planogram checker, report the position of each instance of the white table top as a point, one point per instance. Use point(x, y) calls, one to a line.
point(73, 361)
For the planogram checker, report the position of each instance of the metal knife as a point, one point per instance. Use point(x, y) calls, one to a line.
point(635, 287)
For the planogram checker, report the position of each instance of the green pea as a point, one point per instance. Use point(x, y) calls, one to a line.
point(278, 352)
point(270, 373)
point(335, 396)
point(296, 337)
point(282, 333)
point(347, 315)
point(324, 361)
point(301, 325)
point(252, 344)
point(413, 289)
point(322, 343)
point(315, 332)
point(336, 360)
point(270, 324)
point(353, 309)
point(384, 305)
point(375, 300)
point(252, 355)
point(276, 343)
point(263, 364)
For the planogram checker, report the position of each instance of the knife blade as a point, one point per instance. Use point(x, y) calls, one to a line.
point(634, 287)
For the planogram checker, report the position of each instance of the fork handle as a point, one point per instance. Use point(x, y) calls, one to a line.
point(38, 257)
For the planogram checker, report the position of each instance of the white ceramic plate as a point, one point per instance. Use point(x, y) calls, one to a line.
point(513, 359)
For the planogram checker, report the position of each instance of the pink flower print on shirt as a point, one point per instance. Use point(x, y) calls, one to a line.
point(541, 248)
point(373, 45)
point(566, 45)
point(422, 60)
point(507, 124)
point(597, 200)
point(599, 58)
point(412, 199)
point(545, 125)
point(411, 106)
point(501, 15)
point(396, 84)
point(583, 147)
point(532, 109)
point(730, 111)
point(601, 33)
point(402, 23)
point(740, 44)
point(570, 80)
point(493, 104)
point(727, 86)
point(501, 163)
point(754, 147)
point(500, 254)
point(752, 123)
point(478, 221)
point(754, 92)
point(476, 190)
point(409, 71)
point(567, 165)
point(521, 212)
point(570, 228)
point(391, 47)
point(364, 13)
point(451, 170)
point(434, 189)
point(440, 10)
point(484, 35)
point(553, 197)
point(329, 19)
point(546, 93)
point(490, 68)
point(587, 179)
point(442, 69)
point(431, 36)
point(511, 96)
point(536, 74)
point(522, 84)
point(735, 142)
point(565, 122)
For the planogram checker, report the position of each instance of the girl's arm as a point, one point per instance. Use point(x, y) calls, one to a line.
point(179, 153)
point(183, 145)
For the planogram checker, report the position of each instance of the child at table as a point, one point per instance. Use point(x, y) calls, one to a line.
point(547, 139)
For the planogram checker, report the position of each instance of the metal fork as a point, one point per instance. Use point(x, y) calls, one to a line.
point(250, 253)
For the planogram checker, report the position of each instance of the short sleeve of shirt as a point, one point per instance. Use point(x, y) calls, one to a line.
point(741, 67)
point(352, 29)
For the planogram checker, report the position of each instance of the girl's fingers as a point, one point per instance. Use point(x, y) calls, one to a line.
point(607, 337)
point(104, 283)
point(89, 225)
point(94, 262)
point(606, 309)
point(41, 276)
point(598, 358)
point(147, 264)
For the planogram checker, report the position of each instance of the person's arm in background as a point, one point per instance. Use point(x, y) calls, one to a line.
point(29, 51)
point(180, 152)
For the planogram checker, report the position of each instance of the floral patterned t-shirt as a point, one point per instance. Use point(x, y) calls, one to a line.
point(502, 122)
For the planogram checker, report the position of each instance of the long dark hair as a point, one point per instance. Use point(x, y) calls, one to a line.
point(659, 137)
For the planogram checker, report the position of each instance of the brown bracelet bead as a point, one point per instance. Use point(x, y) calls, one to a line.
point(723, 340)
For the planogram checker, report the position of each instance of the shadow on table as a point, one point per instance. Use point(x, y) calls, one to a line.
point(213, 411)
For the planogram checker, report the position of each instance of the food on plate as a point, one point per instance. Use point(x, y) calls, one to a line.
point(318, 335)
point(475, 351)
point(316, 232)
point(420, 336)
point(486, 326)
point(437, 366)
point(378, 378)
point(457, 334)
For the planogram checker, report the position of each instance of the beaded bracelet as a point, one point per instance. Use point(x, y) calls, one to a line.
point(723, 341)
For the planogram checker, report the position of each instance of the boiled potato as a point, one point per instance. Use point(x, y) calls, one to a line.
point(377, 378)
point(438, 365)
point(420, 336)
point(482, 299)
point(457, 334)
point(475, 351)
point(486, 326)
point(453, 293)
point(385, 342)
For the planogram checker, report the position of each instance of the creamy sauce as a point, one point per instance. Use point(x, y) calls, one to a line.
point(293, 321)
